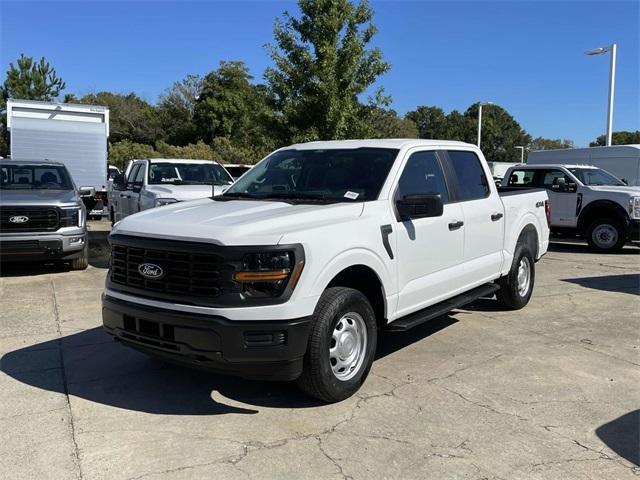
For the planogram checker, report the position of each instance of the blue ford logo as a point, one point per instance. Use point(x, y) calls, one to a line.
point(19, 219)
point(151, 271)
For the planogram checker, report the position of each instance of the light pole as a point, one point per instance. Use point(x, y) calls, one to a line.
point(521, 153)
point(480, 105)
point(612, 84)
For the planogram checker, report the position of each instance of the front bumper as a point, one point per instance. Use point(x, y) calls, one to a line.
point(264, 350)
point(37, 247)
point(633, 230)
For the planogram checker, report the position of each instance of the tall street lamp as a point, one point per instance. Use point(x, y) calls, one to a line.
point(612, 84)
point(521, 153)
point(480, 105)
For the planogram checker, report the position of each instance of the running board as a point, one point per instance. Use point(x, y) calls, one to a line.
point(414, 319)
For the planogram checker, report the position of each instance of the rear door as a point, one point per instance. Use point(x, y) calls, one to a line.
point(429, 250)
point(483, 217)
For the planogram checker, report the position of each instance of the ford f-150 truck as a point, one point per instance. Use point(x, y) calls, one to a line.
point(585, 201)
point(42, 216)
point(293, 271)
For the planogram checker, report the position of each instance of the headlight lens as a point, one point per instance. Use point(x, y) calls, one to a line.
point(71, 217)
point(634, 207)
point(267, 274)
point(164, 201)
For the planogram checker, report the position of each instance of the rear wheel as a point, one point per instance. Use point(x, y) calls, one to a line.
point(516, 287)
point(606, 235)
point(342, 344)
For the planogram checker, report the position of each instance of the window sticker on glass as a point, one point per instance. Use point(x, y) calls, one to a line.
point(351, 195)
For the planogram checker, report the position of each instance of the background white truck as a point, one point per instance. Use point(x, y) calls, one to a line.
point(621, 160)
point(585, 201)
point(156, 182)
point(291, 272)
point(75, 135)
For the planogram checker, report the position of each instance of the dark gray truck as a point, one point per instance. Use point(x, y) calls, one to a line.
point(42, 217)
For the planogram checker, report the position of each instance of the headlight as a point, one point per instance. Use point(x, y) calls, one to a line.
point(634, 207)
point(267, 274)
point(164, 201)
point(71, 217)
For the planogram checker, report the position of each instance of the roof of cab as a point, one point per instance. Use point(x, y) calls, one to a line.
point(554, 165)
point(13, 161)
point(396, 143)
point(179, 160)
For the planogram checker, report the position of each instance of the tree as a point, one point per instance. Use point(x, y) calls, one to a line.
point(500, 133)
point(123, 151)
point(618, 138)
point(231, 107)
point(431, 122)
point(322, 65)
point(176, 109)
point(130, 117)
point(550, 144)
point(30, 80)
point(385, 123)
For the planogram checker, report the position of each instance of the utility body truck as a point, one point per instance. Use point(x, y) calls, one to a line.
point(585, 201)
point(295, 270)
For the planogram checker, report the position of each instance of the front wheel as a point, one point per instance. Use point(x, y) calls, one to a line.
point(342, 344)
point(517, 286)
point(606, 235)
point(81, 262)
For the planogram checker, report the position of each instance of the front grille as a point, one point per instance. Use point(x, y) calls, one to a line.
point(184, 273)
point(28, 219)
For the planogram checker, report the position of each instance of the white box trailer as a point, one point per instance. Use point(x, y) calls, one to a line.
point(621, 160)
point(75, 135)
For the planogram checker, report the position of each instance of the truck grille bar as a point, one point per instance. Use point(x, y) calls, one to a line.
point(28, 219)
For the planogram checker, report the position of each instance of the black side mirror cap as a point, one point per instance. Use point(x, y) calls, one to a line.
point(420, 206)
point(119, 181)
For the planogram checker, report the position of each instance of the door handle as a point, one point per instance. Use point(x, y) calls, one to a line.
point(455, 225)
point(496, 216)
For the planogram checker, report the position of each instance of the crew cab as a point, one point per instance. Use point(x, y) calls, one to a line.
point(156, 182)
point(292, 273)
point(585, 201)
point(42, 216)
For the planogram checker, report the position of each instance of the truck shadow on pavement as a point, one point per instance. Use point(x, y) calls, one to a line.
point(105, 372)
point(622, 435)
point(27, 269)
point(628, 283)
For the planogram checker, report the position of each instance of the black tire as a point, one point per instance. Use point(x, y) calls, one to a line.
point(510, 295)
point(606, 235)
point(81, 262)
point(318, 379)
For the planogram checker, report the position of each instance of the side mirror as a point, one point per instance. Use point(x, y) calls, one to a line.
point(571, 187)
point(87, 191)
point(420, 206)
point(119, 181)
point(559, 184)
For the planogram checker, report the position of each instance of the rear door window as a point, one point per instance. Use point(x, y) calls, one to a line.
point(549, 178)
point(471, 182)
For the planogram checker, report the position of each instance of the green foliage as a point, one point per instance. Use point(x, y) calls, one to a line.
point(431, 122)
point(550, 144)
point(176, 109)
point(123, 151)
point(30, 80)
point(618, 138)
point(130, 117)
point(385, 123)
point(322, 65)
point(199, 150)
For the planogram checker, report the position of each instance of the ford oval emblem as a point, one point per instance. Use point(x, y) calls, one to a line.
point(19, 219)
point(151, 271)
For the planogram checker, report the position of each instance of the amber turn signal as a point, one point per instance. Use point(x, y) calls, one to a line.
point(261, 276)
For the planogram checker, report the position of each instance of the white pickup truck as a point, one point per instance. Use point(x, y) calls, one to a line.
point(156, 182)
point(293, 271)
point(585, 201)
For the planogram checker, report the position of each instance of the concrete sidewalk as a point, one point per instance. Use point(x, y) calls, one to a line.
point(549, 392)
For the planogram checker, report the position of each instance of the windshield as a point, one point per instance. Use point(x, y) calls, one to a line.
point(334, 175)
point(166, 173)
point(34, 177)
point(595, 176)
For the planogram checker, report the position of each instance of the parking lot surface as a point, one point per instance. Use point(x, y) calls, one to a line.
point(548, 392)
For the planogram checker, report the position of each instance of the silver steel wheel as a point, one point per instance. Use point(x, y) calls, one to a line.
point(604, 236)
point(348, 346)
point(524, 276)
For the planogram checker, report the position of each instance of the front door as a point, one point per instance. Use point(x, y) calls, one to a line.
point(429, 249)
point(563, 202)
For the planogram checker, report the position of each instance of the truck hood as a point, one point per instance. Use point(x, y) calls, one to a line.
point(56, 198)
point(235, 222)
point(184, 193)
point(628, 189)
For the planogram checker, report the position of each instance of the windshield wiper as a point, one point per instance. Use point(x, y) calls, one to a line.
point(236, 196)
point(316, 197)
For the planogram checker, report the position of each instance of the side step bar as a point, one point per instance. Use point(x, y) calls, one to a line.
point(414, 319)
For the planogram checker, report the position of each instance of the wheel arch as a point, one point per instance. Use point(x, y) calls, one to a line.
point(529, 236)
point(600, 209)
